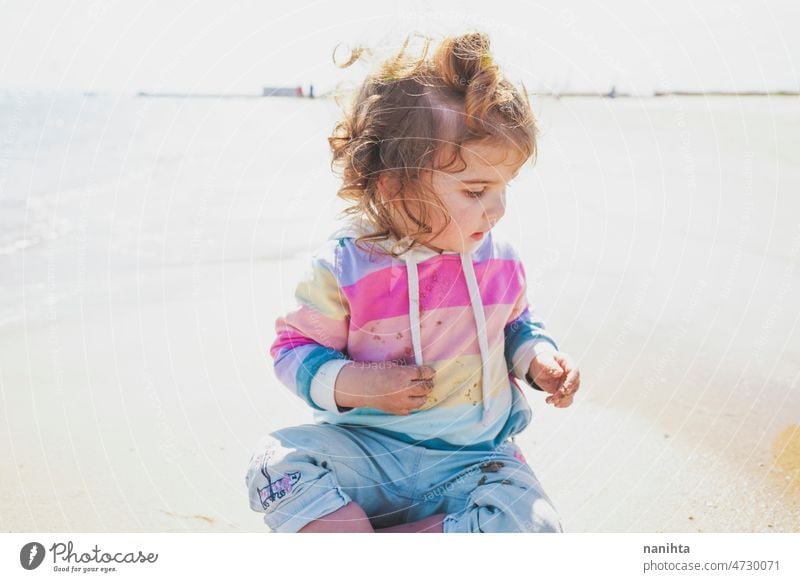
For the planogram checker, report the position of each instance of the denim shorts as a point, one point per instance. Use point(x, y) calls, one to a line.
point(302, 473)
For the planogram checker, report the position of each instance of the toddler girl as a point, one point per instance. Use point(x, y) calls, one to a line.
point(412, 329)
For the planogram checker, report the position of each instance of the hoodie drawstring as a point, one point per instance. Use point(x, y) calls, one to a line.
point(477, 311)
point(480, 323)
point(413, 306)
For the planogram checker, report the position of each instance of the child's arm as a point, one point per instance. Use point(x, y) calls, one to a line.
point(312, 338)
point(526, 338)
point(310, 352)
point(384, 385)
point(532, 354)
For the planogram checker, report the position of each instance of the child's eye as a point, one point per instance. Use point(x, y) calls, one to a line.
point(476, 193)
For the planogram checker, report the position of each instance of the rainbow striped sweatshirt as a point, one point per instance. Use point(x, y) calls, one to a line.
point(464, 314)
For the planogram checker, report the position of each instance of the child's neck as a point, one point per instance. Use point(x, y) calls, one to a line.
point(432, 247)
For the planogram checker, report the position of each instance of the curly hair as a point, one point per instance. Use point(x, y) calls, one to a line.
point(412, 113)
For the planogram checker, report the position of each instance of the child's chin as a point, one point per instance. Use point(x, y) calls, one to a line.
point(472, 243)
point(460, 246)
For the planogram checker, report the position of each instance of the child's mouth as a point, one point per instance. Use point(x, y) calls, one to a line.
point(477, 235)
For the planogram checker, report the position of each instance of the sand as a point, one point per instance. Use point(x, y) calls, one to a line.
point(662, 248)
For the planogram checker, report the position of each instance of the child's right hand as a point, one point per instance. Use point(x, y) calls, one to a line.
point(385, 386)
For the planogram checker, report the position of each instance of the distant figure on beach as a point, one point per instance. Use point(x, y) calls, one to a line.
point(412, 339)
point(311, 91)
point(613, 93)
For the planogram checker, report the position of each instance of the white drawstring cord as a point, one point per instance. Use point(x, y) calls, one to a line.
point(480, 323)
point(413, 305)
point(477, 311)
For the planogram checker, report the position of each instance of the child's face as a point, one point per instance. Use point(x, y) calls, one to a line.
point(475, 198)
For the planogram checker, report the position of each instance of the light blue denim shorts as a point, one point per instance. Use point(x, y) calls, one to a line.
point(302, 473)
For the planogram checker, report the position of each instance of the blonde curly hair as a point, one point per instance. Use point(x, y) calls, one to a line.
point(412, 113)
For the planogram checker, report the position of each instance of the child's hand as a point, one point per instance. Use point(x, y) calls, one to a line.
point(386, 386)
point(555, 373)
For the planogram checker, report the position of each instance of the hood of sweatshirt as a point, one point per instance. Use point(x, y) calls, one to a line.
point(411, 257)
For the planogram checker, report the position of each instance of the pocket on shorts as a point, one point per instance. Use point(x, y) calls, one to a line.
point(277, 474)
point(269, 485)
point(290, 488)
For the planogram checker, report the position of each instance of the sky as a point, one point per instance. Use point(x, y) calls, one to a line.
point(232, 46)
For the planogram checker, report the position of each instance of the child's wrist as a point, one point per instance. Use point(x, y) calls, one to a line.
point(529, 380)
point(346, 390)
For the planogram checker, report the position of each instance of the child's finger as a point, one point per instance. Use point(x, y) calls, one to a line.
point(417, 401)
point(425, 373)
point(553, 398)
point(559, 399)
point(547, 366)
point(564, 401)
point(420, 389)
point(571, 382)
point(549, 386)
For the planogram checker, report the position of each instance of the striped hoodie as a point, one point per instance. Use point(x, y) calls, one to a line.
point(464, 314)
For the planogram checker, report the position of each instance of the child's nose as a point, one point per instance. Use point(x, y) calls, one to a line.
point(496, 210)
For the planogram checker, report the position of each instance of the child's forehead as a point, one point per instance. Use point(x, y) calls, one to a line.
point(483, 162)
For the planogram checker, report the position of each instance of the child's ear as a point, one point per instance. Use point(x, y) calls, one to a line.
point(389, 188)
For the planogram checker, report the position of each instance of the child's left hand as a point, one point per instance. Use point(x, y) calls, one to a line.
point(555, 373)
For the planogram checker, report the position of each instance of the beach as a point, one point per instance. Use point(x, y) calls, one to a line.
point(148, 244)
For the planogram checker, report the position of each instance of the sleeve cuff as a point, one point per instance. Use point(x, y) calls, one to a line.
point(524, 356)
point(322, 386)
